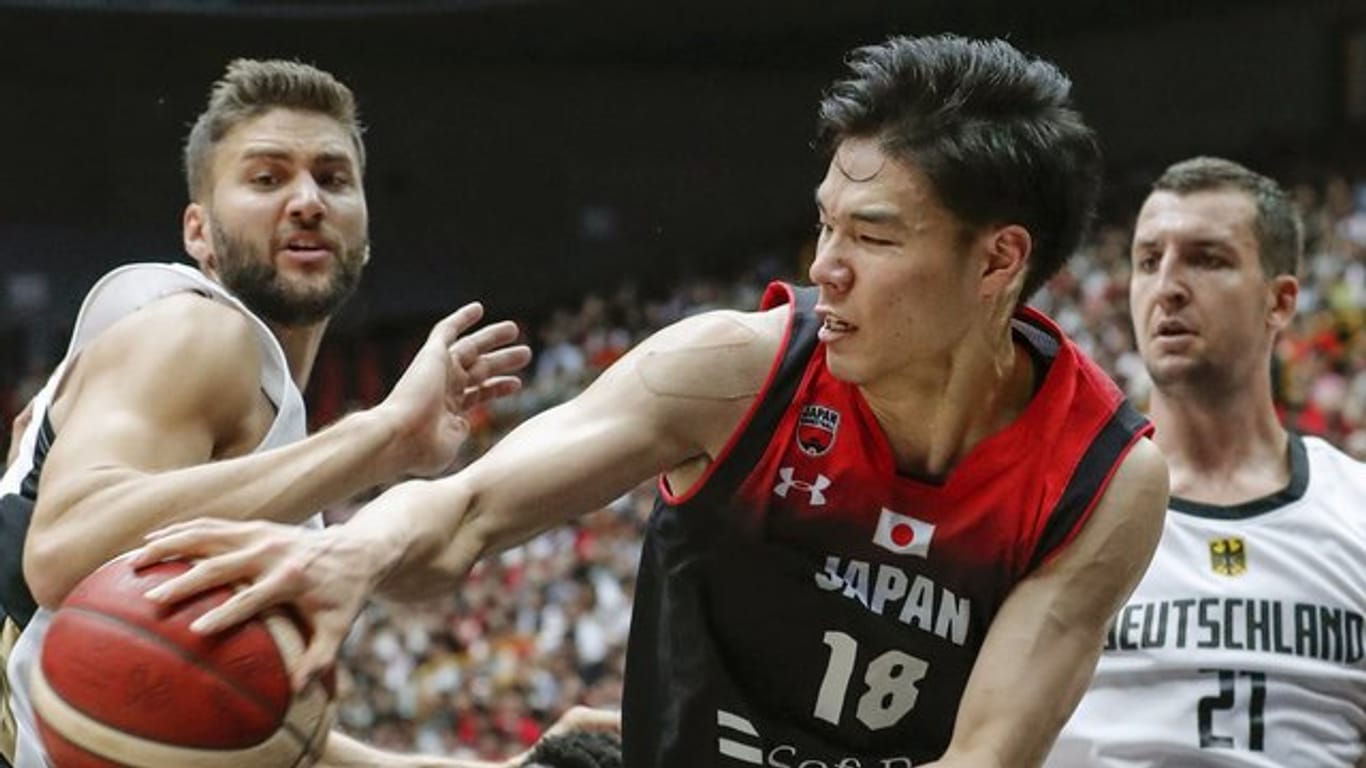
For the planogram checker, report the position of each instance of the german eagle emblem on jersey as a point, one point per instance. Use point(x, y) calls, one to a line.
point(1228, 557)
point(817, 427)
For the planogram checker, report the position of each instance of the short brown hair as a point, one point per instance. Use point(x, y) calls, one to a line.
point(250, 88)
point(1280, 233)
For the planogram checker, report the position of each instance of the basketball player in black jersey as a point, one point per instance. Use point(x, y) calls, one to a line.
point(897, 511)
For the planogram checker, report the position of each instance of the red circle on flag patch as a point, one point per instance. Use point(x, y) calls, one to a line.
point(902, 534)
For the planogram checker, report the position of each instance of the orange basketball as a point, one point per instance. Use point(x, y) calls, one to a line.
point(123, 681)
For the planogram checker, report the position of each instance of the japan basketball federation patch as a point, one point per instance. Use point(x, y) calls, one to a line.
point(1228, 557)
point(817, 427)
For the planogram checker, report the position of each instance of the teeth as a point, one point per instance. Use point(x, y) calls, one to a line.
point(836, 325)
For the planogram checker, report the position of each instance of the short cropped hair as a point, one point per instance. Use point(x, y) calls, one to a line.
point(576, 749)
point(994, 130)
point(248, 89)
point(1279, 230)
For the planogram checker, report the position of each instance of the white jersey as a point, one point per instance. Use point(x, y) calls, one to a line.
point(1242, 646)
point(117, 295)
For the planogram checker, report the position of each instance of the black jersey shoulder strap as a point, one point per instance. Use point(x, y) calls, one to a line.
point(793, 358)
point(16, 512)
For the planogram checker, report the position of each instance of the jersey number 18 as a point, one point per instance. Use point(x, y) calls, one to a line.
point(890, 681)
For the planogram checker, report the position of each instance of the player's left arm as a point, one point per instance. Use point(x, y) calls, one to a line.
point(1041, 650)
point(342, 751)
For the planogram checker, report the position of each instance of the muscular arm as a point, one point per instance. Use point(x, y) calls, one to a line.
point(674, 399)
point(342, 751)
point(157, 420)
point(1042, 648)
point(151, 423)
point(669, 405)
point(345, 752)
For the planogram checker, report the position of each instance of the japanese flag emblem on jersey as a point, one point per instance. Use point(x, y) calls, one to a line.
point(903, 534)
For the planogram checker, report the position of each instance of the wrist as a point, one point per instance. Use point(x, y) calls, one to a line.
point(383, 428)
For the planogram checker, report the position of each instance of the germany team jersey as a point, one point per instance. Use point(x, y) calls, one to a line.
point(1242, 646)
point(24, 624)
point(806, 604)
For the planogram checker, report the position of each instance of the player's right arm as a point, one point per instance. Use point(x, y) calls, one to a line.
point(669, 404)
point(157, 419)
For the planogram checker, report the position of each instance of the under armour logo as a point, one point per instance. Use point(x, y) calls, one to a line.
point(789, 482)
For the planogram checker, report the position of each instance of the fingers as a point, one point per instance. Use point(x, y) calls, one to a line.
point(504, 360)
point(317, 657)
point(580, 718)
point(500, 386)
point(244, 604)
point(469, 349)
point(187, 540)
point(497, 363)
point(448, 330)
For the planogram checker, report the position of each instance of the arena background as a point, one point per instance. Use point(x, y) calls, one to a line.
point(597, 169)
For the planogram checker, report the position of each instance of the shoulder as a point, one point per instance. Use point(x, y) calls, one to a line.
point(1133, 507)
point(687, 386)
point(183, 326)
point(1336, 480)
point(1130, 512)
point(1324, 454)
point(184, 351)
point(1142, 471)
point(723, 354)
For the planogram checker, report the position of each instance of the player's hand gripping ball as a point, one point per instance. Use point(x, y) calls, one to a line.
point(122, 681)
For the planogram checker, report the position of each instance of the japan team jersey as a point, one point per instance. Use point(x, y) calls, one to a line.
point(807, 605)
point(1242, 646)
point(118, 294)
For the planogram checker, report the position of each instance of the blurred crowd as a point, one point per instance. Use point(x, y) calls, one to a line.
point(543, 627)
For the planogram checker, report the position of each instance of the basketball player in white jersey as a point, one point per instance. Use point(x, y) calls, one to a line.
point(1242, 647)
point(180, 392)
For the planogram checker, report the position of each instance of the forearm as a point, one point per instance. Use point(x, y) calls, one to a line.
point(342, 751)
point(1010, 717)
point(549, 470)
point(405, 533)
point(76, 528)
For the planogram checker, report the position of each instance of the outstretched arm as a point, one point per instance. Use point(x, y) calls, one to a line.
point(673, 401)
point(1041, 650)
point(342, 751)
point(157, 419)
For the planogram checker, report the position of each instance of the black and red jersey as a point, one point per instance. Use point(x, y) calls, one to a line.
point(807, 602)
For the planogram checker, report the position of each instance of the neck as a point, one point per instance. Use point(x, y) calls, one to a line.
point(935, 414)
point(300, 344)
point(1225, 450)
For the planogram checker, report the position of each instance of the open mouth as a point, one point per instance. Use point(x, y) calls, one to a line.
point(831, 323)
point(1172, 329)
point(306, 248)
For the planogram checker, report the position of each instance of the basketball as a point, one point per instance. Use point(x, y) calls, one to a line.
point(122, 681)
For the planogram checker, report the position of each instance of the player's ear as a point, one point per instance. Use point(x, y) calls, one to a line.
point(1007, 251)
point(196, 233)
point(1283, 293)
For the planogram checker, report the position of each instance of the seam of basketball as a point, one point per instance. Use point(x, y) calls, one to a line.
point(200, 661)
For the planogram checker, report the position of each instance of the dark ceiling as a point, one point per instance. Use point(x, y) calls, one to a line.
point(508, 135)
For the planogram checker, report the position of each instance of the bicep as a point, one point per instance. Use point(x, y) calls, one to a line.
point(580, 455)
point(649, 413)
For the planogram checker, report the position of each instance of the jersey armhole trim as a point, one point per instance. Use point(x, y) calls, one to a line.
point(750, 438)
